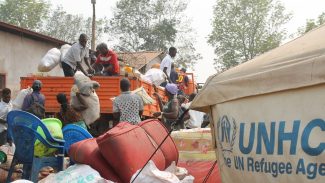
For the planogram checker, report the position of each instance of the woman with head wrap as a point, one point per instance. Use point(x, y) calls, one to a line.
point(170, 111)
point(67, 113)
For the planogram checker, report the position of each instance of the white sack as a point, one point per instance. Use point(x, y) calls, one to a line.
point(87, 87)
point(147, 100)
point(74, 174)
point(50, 60)
point(85, 84)
point(19, 100)
point(64, 49)
point(152, 174)
point(155, 76)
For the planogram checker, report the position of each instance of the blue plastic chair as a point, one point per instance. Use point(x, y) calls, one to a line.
point(72, 134)
point(22, 129)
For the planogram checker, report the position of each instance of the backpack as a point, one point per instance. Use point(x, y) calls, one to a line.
point(36, 108)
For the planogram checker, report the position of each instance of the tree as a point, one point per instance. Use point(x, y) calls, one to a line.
point(152, 25)
point(68, 27)
point(312, 24)
point(243, 29)
point(28, 14)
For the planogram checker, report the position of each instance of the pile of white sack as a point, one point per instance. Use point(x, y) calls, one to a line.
point(52, 58)
point(86, 87)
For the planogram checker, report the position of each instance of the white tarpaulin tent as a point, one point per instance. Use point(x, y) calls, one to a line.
point(268, 114)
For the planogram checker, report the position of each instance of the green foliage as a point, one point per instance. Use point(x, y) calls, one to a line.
point(153, 25)
point(28, 14)
point(68, 27)
point(243, 29)
point(312, 24)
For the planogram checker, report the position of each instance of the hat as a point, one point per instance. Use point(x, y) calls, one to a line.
point(171, 88)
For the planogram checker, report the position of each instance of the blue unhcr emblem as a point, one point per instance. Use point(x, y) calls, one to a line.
point(227, 130)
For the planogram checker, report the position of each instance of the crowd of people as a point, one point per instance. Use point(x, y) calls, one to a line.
point(126, 107)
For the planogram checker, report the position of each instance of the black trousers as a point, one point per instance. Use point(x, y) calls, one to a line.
point(3, 137)
point(67, 70)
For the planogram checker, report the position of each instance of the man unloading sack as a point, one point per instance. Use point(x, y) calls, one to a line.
point(73, 58)
point(108, 59)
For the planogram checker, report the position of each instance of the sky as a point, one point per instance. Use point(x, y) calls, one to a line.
point(201, 13)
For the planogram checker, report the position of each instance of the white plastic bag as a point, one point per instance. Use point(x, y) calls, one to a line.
point(147, 100)
point(75, 174)
point(19, 100)
point(180, 172)
point(152, 174)
point(155, 76)
point(50, 60)
point(22, 181)
point(64, 49)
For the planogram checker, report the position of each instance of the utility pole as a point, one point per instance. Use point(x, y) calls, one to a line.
point(93, 30)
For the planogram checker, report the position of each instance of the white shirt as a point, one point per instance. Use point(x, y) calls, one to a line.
point(196, 117)
point(5, 108)
point(76, 53)
point(167, 62)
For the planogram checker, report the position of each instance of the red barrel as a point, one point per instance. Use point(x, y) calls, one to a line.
point(158, 132)
point(127, 148)
point(87, 152)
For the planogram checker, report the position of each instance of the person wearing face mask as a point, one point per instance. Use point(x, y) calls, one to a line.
point(73, 58)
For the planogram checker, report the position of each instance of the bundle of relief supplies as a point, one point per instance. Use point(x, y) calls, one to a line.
point(50, 60)
point(86, 87)
point(154, 76)
point(53, 58)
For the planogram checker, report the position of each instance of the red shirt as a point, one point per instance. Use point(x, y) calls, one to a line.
point(109, 59)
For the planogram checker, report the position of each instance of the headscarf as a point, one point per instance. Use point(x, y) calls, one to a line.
point(171, 88)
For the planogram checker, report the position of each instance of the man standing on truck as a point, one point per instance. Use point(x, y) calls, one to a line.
point(73, 58)
point(173, 74)
point(127, 106)
point(166, 63)
point(108, 59)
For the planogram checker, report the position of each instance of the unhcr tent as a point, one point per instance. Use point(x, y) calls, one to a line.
point(268, 114)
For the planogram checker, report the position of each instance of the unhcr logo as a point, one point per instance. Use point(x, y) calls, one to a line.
point(227, 130)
